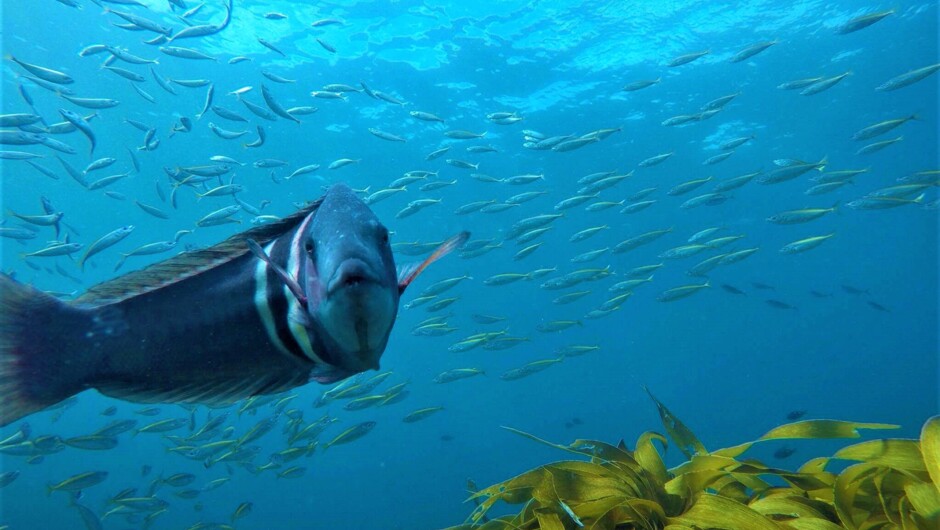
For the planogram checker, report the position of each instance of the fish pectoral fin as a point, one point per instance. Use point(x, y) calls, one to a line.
point(409, 272)
point(291, 283)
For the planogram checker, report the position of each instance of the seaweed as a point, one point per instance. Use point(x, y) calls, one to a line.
point(887, 483)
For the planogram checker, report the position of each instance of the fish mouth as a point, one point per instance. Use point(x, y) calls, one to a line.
point(351, 273)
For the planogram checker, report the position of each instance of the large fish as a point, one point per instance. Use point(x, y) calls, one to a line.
point(310, 297)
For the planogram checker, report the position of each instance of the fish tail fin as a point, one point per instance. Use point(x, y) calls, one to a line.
point(919, 199)
point(37, 367)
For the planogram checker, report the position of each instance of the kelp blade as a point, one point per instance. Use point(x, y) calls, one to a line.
point(894, 484)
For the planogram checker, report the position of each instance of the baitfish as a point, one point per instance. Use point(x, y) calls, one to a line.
point(312, 296)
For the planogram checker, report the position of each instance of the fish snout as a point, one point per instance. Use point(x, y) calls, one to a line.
point(351, 273)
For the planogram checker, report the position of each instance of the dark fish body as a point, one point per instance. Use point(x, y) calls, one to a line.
point(778, 304)
point(310, 297)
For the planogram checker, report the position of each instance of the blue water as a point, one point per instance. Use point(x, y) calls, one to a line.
point(730, 366)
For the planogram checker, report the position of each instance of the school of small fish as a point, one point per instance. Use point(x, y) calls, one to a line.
point(52, 136)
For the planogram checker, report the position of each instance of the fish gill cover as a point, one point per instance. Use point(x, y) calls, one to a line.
point(732, 205)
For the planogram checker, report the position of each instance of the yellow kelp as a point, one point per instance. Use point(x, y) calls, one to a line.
point(894, 483)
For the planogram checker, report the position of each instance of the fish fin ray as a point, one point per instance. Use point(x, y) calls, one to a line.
point(217, 391)
point(190, 264)
point(411, 271)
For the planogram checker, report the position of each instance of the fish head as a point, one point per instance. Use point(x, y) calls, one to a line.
point(350, 282)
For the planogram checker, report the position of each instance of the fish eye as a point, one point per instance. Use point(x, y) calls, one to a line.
point(308, 247)
point(383, 235)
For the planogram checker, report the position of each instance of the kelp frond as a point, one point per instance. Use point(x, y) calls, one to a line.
point(894, 484)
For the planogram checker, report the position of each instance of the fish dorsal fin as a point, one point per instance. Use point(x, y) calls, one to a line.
point(189, 264)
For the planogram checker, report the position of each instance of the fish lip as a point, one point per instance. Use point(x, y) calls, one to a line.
point(352, 272)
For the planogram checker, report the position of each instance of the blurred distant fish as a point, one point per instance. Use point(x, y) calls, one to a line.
point(639, 85)
point(908, 78)
point(777, 304)
point(823, 84)
point(108, 240)
point(788, 169)
point(878, 146)
point(271, 47)
point(684, 291)
point(854, 290)
point(862, 22)
point(81, 125)
point(794, 415)
point(751, 51)
point(654, 160)
point(799, 83)
point(805, 244)
point(326, 22)
point(881, 127)
point(46, 74)
point(687, 58)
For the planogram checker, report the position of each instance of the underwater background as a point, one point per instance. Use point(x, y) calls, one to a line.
point(850, 331)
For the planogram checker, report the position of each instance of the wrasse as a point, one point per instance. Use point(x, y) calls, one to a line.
point(312, 296)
